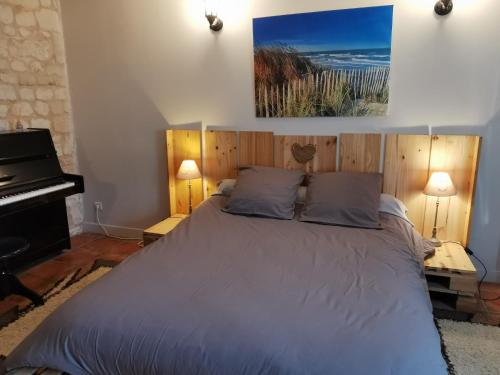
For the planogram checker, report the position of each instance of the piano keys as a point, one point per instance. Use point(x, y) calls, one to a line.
point(33, 189)
point(13, 198)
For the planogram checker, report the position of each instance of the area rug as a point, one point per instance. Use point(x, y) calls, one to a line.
point(15, 332)
point(470, 348)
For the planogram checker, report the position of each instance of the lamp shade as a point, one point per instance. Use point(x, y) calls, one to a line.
point(440, 185)
point(188, 170)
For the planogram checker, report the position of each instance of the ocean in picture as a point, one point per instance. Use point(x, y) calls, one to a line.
point(323, 64)
point(354, 59)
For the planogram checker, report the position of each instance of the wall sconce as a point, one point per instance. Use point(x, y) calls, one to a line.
point(211, 9)
point(443, 7)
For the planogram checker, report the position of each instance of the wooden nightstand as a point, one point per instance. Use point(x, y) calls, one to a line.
point(162, 228)
point(451, 278)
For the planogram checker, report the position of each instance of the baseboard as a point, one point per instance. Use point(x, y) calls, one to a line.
point(113, 230)
point(76, 230)
point(493, 276)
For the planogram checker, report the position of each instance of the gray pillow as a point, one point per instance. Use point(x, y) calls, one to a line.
point(343, 198)
point(265, 191)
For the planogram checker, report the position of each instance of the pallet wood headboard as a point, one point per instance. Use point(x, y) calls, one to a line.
point(406, 161)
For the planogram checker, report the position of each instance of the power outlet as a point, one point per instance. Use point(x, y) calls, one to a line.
point(98, 206)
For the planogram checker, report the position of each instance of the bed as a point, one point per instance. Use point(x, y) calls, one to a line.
point(227, 294)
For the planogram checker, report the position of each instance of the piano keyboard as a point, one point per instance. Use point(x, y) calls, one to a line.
point(5, 200)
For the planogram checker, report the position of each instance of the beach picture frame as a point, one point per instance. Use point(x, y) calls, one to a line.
point(332, 63)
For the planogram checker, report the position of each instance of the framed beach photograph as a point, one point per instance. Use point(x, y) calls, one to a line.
point(323, 64)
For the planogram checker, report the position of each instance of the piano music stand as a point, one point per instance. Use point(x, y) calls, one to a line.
point(9, 283)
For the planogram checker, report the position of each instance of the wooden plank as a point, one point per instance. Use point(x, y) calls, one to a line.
point(256, 148)
point(406, 167)
point(181, 145)
point(360, 152)
point(450, 258)
point(169, 139)
point(438, 287)
point(391, 162)
point(158, 230)
point(457, 155)
point(220, 157)
point(325, 159)
point(474, 163)
point(165, 226)
point(464, 284)
point(467, 304)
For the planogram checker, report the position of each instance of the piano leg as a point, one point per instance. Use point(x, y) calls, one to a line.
point(10, 284)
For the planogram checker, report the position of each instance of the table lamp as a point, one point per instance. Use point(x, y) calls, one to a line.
point(189, 171)
point(439, 185)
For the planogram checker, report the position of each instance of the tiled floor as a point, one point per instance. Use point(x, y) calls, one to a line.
point(492, 308)
point(87, 248)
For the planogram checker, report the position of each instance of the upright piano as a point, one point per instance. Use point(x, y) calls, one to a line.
point(33, 189)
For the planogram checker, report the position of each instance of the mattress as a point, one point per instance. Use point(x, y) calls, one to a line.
point(226, 294)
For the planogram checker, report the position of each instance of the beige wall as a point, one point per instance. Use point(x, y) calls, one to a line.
point(144, 65)
point(33, 80)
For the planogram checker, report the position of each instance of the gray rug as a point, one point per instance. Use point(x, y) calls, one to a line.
point(469, 348)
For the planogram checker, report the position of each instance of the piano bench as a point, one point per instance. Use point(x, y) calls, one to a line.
point(9, 283)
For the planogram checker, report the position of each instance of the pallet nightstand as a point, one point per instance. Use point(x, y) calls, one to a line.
point(451, 279)
point(162, 228)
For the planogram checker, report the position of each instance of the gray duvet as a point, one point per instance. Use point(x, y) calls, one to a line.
point(225, 294)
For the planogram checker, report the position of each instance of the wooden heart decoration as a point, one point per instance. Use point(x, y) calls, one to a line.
point(303, 153)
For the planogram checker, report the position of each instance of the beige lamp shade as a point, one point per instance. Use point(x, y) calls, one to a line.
point(188, 170)
point(440, 185)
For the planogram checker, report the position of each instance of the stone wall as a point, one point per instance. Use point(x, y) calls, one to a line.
point(33, 80)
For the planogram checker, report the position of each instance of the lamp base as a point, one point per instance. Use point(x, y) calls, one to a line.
point(214, 22)
point(435, 242)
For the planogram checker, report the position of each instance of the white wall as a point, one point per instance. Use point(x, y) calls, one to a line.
point(486, 225)
point(137, 66)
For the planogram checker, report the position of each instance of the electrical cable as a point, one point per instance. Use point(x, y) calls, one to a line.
point(471, 253)
point(107, 234)
point(482, 278)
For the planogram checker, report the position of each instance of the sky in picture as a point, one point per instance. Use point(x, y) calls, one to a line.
point(346, 29)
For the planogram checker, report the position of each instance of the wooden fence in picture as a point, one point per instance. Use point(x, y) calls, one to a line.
point(315, 94)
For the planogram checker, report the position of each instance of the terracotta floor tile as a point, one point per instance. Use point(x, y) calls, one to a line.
point(77, 257)
point(491, 291)
point(84, 238)
point(493, 306)
point(51, 271)
point(125, 248)
point(104, 249)
point(104, 243)
point(8, 304)
point(118, 258)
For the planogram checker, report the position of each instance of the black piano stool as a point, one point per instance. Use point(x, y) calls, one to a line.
point(11, 247)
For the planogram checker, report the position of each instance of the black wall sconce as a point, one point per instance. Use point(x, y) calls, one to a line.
point(211, 9)
point(443, 7)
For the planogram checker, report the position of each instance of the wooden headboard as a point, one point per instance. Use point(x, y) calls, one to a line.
point(405, 160)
